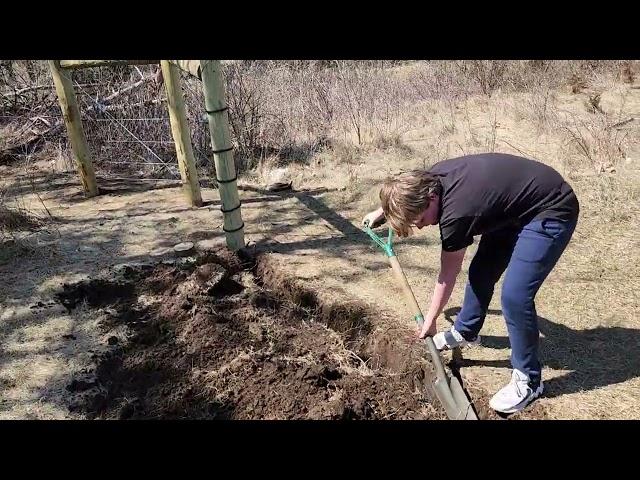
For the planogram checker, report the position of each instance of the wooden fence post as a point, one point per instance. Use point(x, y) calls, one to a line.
point(71, 114)
point(216, 108)
point(181, 133)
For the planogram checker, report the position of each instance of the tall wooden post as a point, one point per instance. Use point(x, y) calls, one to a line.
point(181, 134)
point(73, 122)
point(216, 108)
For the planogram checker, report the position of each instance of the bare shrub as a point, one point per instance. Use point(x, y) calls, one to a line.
point(595, 141)
point(539, 106)
point(287, 110)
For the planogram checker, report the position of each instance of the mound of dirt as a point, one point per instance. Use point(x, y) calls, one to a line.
point(219, 337)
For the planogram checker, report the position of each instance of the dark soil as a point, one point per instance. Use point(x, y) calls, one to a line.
point(222, 337)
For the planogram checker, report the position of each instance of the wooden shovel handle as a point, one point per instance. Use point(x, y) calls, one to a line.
point(404, 284)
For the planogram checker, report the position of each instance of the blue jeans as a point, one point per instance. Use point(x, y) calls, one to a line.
point(528, 255)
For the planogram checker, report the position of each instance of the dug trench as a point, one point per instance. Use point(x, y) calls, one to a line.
point(222, 336)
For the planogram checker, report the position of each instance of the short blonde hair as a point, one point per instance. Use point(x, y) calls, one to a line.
point(405, 196)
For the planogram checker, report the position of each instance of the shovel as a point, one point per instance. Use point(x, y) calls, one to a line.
point(447, 388)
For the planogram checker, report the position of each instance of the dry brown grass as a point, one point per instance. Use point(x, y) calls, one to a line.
point(15, 219)
point(16, 224)
point(290, 110)
point(594, 141)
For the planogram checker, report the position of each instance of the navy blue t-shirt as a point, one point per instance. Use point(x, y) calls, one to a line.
point(488, 192)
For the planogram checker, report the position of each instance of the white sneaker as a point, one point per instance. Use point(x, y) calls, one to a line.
point(451, 339)
point(516, 395)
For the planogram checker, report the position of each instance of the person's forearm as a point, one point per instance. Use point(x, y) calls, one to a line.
point(450, 265)
point(441, 294)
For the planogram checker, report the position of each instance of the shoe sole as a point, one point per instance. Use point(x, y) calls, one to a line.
point(521, 406)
